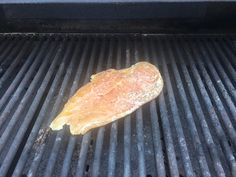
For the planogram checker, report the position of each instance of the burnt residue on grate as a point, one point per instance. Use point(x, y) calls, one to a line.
point(189, 130)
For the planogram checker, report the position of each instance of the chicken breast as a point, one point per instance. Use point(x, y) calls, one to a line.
point(110, 95)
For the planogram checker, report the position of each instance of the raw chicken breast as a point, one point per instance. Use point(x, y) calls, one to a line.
point(110, 95)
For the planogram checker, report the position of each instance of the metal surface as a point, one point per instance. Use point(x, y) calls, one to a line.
point(189, 130)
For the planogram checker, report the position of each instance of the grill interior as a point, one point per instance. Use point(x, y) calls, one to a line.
point(190, 130)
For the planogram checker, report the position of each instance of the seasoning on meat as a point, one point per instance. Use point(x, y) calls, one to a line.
point(110, 95)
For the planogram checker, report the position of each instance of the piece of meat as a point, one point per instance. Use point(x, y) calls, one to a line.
point(110, 95)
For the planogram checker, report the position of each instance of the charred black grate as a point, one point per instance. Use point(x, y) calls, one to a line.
point(190, 130)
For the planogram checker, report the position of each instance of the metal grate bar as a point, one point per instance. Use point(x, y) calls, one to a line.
point(28, 116)
point(18, 112)
point(217, 100)
point(114, 126)
point(100, 135)
point(139, 124)
point(41, 116)
point(72, 140)
point(86, 138)
point(189, 130)
point(23, 103)
point(20, 88)
point(127, 123)
point(180, 135)
point(5, 53)
point(4, 44)
point(60, 135)
point(15, 62)
point(225, 60)
point(229, 48)
point(189, 116)
point(222, 74)
point(156, 135)
point(40, 151)
point(200, 115)
point(19, 76)
point(173, 167)
point(216, 79)
point(211, 111)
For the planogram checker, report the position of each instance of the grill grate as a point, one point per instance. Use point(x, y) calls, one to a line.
point(190, 130)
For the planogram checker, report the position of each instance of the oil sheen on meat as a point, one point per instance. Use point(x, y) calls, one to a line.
point(110, 95)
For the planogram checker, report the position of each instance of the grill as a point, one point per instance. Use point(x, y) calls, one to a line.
point(190, 130)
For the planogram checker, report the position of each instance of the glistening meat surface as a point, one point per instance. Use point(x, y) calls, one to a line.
point(110, 95)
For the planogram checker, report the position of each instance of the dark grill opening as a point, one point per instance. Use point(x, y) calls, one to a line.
point(189, 130)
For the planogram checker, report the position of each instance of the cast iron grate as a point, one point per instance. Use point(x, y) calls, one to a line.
point(190, 130)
